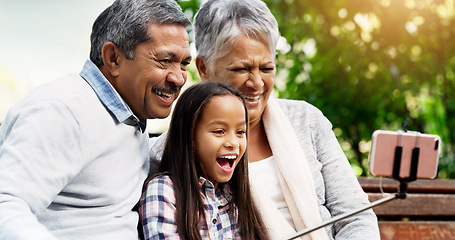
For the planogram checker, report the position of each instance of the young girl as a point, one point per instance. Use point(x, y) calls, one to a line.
point(197, 194)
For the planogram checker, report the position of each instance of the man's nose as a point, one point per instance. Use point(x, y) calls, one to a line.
point(177, 77)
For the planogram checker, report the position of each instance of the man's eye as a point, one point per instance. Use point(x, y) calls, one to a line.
point(238, 69)
point(165, 61)
point(184, 65)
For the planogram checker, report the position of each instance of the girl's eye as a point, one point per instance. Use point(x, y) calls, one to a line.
point(218, 132)
point(241, 132)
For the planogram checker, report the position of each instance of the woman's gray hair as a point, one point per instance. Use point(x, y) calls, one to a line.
point(125, 23)
point(219, 22)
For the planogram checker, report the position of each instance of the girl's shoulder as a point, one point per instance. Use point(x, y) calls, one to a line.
point(161, 178)
point(160, 185)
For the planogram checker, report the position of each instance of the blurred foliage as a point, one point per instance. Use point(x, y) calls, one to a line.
point(370, 64)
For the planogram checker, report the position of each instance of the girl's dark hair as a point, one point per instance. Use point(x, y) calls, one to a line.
point(180, 162)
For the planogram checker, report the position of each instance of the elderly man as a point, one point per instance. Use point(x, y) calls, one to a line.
point(73, 153)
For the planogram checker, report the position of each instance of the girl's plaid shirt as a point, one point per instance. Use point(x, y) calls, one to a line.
point(158, 212)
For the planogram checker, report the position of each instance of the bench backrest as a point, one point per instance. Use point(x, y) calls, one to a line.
point(427, 212)
point(426, 199)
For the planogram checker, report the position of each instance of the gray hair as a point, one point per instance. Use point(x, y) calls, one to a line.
point(219, 22)
point(125, 23)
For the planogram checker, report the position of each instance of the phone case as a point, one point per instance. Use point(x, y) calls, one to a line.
point(384, 144)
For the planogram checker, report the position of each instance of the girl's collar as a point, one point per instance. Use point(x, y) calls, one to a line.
point(223, 188)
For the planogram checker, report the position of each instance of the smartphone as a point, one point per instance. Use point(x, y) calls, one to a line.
point(384, 151)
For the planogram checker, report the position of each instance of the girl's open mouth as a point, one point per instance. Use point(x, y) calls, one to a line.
point(226, 162)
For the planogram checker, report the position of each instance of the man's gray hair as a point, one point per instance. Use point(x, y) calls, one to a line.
point(125, 23)
point(219, 22)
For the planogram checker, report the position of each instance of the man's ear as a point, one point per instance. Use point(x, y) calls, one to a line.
point(111, 55)
point(202, 68)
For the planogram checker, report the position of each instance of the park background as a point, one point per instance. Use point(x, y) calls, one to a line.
point(367, 64)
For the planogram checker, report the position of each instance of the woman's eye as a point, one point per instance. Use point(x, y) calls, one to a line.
point(241, 132)
point(267, 69)
point(238, 69)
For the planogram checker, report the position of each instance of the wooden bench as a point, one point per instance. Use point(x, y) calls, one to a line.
point(427, 212)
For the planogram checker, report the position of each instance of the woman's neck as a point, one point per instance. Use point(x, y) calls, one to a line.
point(258, 145)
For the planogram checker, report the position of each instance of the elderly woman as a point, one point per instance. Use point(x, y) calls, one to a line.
point(299, 173)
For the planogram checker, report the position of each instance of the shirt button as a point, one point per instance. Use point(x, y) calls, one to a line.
point(231, 211)
point(214, 221)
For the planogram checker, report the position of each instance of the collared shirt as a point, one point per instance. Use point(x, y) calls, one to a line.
point(158, 211)
point(110, 97)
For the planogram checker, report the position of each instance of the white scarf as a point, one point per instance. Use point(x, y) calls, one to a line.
point(295, 179)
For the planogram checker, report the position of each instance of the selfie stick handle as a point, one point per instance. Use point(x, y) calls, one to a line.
point(397, 165)
point(343, 216)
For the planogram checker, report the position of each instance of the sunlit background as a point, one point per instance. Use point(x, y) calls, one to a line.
point(40, 41)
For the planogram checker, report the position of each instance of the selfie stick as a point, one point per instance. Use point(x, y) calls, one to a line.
point(343, 216)
point(401, 194)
